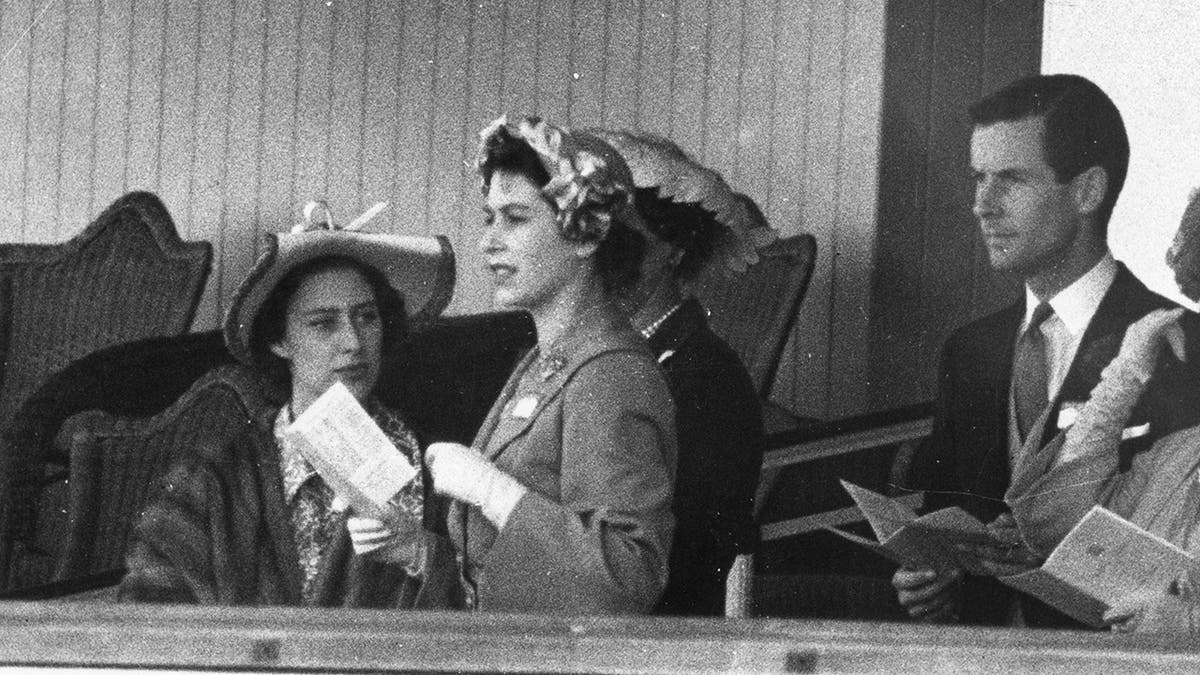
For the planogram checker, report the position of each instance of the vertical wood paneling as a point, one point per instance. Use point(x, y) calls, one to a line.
point(620, 63)
point(904, 204)
point(655, 66)
point(553, 63)
point(108, 139)
point(276, 204)
point(587, 63)
point(519, 40)
point(178, 144)
point(690, 74)
point(44, 123)
point(721, 124)
point(237, 111)
point(931, 272)
point(801, 381)
point(14, 96)
point(414, 113)
point(312, 102)
point(239, 231)
point(822, 110)
point(856, 209)
point(207, 200)
point(79, 116)
point(447, 175)
point(345, 124)
point(756, 100)
point(486, 84)
point(144, 124)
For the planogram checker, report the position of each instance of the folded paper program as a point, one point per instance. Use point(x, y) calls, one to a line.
point(351, 452)
point(1103, 560)
point(942, 540)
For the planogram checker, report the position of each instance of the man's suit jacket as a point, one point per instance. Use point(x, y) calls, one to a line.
point(966, 463)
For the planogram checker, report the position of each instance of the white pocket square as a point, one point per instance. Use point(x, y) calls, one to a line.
point(1135, 432)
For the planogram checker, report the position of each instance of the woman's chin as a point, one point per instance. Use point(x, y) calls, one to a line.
point(360, 389)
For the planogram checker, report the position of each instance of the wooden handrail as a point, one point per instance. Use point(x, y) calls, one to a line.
point(243, 639)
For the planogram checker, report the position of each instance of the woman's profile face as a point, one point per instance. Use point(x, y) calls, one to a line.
point(529, 260)
point(332, 332)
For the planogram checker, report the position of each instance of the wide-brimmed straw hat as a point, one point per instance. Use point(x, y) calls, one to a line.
point(420, 268)
point(589, 181)
point(658, 163)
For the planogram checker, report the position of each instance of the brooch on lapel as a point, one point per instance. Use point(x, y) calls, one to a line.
point(1068, 413)
point(524, 407)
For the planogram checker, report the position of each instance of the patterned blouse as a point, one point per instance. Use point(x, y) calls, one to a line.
point(318, 516)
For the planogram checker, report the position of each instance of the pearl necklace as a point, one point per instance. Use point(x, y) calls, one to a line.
point(649, 329)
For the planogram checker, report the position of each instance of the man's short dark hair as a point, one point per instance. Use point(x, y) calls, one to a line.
point(1083, 127)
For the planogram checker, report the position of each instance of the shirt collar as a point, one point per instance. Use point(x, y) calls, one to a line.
point(1076, 304)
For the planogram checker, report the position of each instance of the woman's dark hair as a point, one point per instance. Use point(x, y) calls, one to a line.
point(505, 152)
point(686, 226)
point(271, 322)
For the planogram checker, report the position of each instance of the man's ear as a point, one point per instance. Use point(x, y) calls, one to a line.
point(1089, 189)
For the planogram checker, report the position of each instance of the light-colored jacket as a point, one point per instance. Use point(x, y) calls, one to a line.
point(589, 430)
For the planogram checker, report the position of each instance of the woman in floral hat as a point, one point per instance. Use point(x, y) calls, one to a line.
point(245, 519)
point(694, 220)
point(563, 504)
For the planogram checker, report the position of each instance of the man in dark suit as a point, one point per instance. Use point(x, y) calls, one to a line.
point(1049, 155)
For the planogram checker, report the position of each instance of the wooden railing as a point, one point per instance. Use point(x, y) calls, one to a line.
point(903, 427)
point(290, 639)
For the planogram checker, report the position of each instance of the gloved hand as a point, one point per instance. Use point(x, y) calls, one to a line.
point(462, 473)
point(383, 540)
point(1145, 339)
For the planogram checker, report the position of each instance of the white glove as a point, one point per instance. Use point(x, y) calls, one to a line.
point(1145, 339)
point(462, 473)
point(374, 536)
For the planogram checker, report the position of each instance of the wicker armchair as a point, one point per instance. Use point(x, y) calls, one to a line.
point(126, 276)
point(755, 312)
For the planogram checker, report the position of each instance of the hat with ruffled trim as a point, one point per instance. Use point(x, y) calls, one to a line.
point(590, 183)
point(661, 164)
point(421, 269)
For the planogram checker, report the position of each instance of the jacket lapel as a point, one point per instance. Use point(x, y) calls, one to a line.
point(991, 477)
point(507, 427)
point(1126, 301)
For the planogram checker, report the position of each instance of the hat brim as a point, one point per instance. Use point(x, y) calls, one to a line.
point(421, 269)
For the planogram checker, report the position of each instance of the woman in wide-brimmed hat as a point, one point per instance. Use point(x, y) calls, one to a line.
point(563, 504)
point(245, 519)
point(695, 220)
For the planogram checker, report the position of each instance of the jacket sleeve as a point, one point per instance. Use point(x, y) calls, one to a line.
point(934, 468)
point(603, 546)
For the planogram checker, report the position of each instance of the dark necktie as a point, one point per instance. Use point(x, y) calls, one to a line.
point(1029, 371)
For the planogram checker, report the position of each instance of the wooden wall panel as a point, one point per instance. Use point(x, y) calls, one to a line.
point(931, 272)
point(238, 111)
